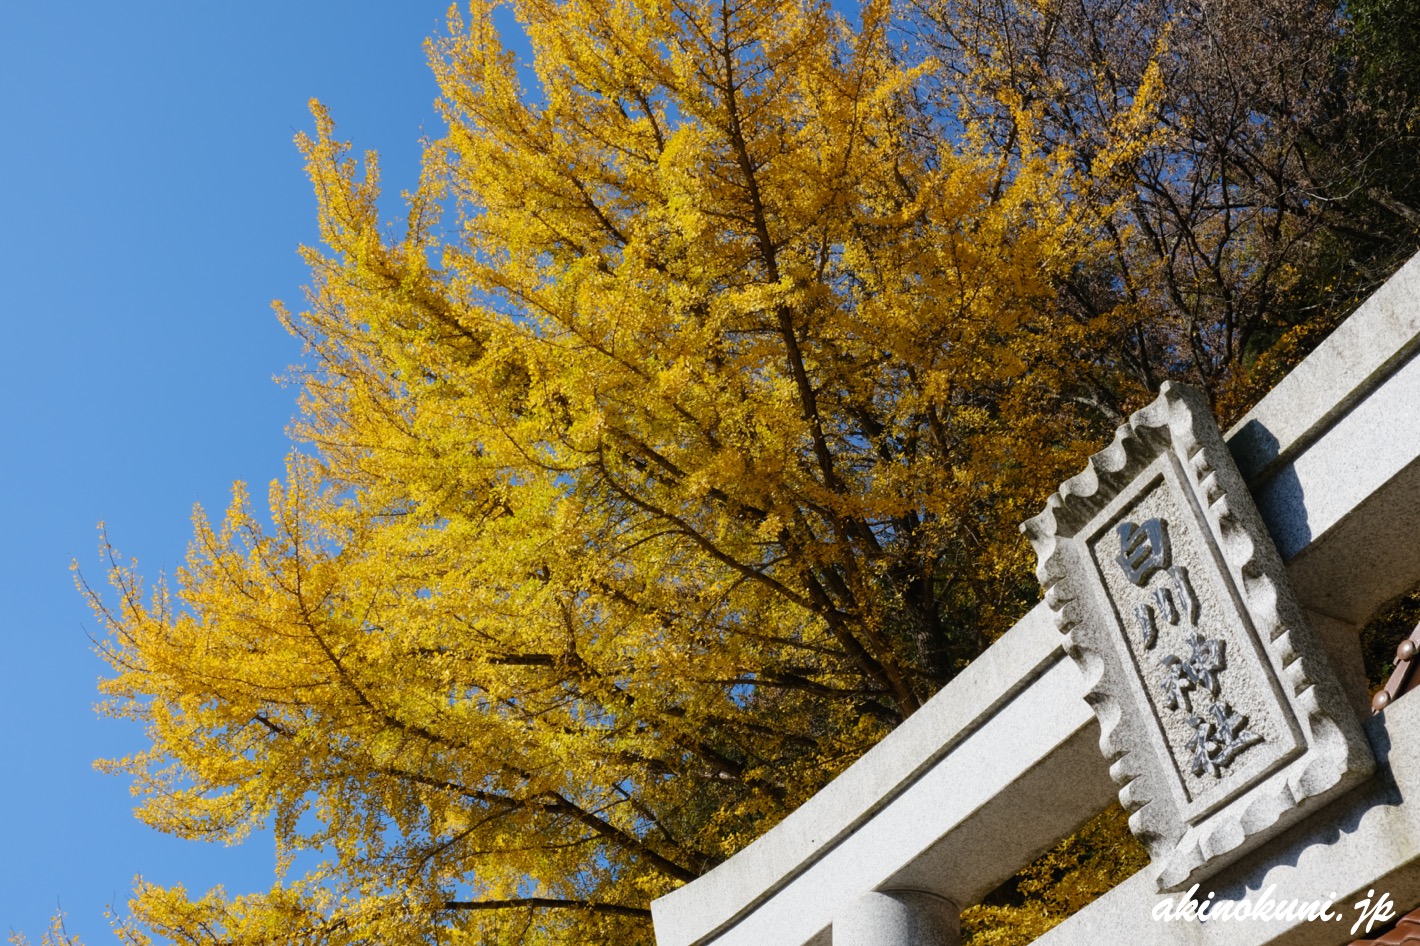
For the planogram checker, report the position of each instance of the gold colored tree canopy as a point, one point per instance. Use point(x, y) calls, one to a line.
point(666, 454)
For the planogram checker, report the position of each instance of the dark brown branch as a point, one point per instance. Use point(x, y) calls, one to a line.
point(546, 903)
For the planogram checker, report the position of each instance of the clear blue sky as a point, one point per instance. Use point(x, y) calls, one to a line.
point(151, 209)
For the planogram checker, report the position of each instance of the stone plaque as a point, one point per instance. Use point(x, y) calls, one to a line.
point(1217, 707)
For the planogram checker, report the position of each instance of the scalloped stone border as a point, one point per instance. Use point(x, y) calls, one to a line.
point(1330, 753)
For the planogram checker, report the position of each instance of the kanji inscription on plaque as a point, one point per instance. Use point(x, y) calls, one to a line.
point(1216, 702)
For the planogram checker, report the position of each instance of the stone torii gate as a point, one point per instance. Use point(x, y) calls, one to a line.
point(1253, 764)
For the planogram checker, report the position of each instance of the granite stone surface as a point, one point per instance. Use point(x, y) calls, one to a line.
point(898, 918)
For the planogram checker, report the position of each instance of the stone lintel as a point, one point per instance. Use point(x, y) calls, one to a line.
point(1363, 351)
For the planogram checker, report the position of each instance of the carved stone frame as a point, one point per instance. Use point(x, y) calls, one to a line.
point(1173, 450)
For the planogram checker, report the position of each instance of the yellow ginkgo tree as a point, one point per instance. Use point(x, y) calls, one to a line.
point(666, 455)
